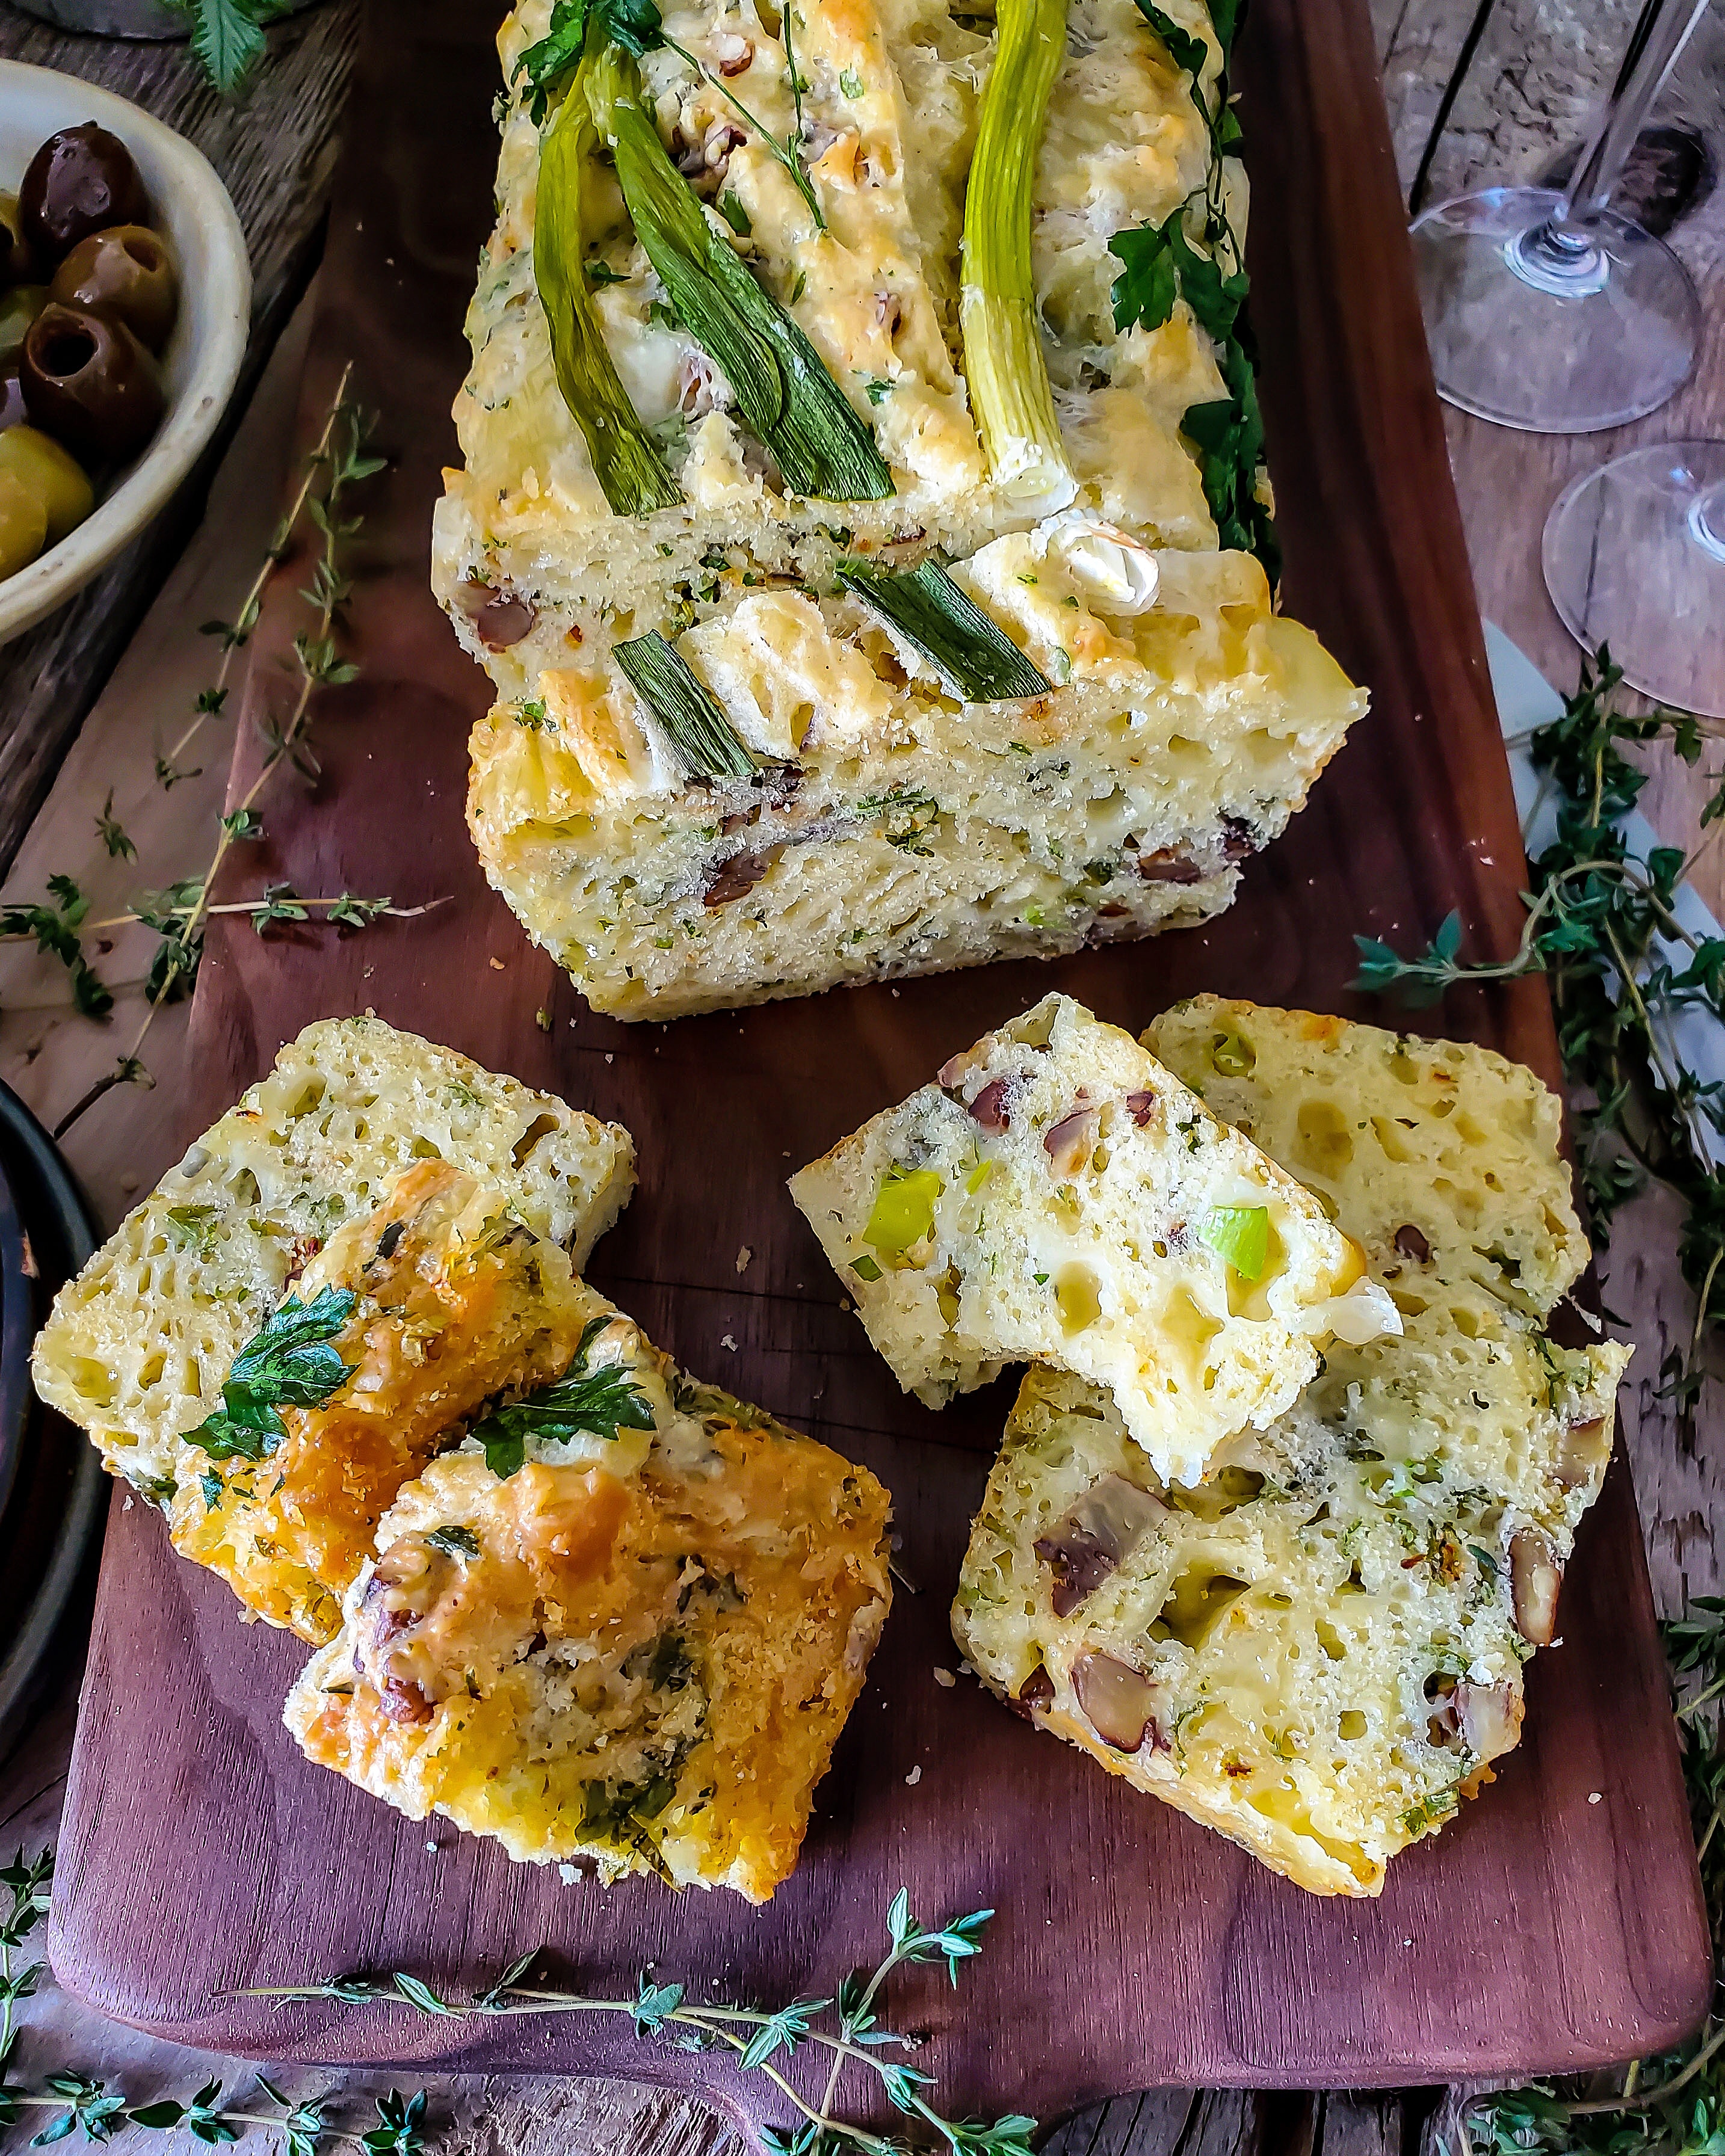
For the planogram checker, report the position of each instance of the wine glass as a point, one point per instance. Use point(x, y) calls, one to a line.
point(1633, 554)
point(1544, 307)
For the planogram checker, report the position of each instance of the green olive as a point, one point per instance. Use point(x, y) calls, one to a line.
point(51, 474)
point(19, 262)
point(18, 309)
point(23, 524)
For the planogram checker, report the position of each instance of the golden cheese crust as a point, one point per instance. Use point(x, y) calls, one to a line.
point(1319, 1651)
point(456, 1300)
point(629, 1667)
point(138, 1347)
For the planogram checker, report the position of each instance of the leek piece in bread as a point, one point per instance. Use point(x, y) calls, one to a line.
point(1060, 1196)
point(448, 1298)
point(635, 1655)
point(891, 826)
point(1319, 1651)
point(139, 1345)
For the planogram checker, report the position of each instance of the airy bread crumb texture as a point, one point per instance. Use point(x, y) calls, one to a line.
point(635, 1660)
point(1319, 1651)
point(1060, 1195)
point(138, 1346)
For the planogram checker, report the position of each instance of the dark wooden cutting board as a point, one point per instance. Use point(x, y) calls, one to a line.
point(1558, 1924)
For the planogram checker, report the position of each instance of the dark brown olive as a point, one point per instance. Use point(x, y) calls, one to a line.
point(81, 180)
point(18, 309)
point(18, 257)
point(127, 274)
point(14, 410)
point(90, 384)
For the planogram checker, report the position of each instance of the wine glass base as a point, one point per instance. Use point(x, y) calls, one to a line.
point(1558, 336)
point(1633, 559)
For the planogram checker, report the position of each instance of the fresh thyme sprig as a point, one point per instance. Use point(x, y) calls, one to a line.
point(1626, 974)
point(339, 461)
point(1673, 2105)
point(754, 2036)
point(81, 2104)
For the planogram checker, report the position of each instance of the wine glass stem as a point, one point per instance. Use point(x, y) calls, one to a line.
point(1662, 29)
point(1707, 521)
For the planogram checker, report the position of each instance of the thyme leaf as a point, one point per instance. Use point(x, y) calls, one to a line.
point(846, 2029)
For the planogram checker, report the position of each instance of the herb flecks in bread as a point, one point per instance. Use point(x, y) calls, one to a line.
point(1319, 1651)
point(636, 1660)
point(138, 1347)
point(1060, 1195)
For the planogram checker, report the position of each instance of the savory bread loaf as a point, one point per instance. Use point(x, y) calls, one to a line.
point(631, 1653)
point(139, 1346)
point(937, 634)
point(1318, 1652)
point(1059, 1195)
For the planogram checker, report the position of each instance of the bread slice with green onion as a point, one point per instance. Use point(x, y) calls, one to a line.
point(138, 1347)
point(632, 1653)
point(1060, 1196)
point(1319, 1651)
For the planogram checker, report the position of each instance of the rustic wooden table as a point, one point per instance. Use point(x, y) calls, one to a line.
point(1537, 67)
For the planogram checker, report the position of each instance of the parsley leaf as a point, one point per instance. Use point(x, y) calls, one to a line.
point(1145, 290)
point(598, 1402)
point(454, 1542)
point(1229, 435)
point(1183, 49)
point(226, 35)
point(634, 24)
point(289, 1364)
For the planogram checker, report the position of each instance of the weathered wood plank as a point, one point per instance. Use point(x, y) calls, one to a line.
point(276, 155)
point(1678, 1483)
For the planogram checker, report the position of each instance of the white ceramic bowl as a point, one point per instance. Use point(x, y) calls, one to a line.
point(190, 205)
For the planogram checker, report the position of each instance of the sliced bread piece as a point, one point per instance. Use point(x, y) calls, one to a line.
point(870, 822)
point(1060, 1196)
point(633, 1655)
point(1319, 1651)
point(138, 1347)
point(438, 1299)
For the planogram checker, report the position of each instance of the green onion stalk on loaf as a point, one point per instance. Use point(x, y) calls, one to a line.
point(1003, 361)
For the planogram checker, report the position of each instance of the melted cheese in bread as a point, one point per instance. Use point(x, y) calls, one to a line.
point(635, 1668)
point(456, 1300)
point(138, 1347)
point(1050, 1199)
